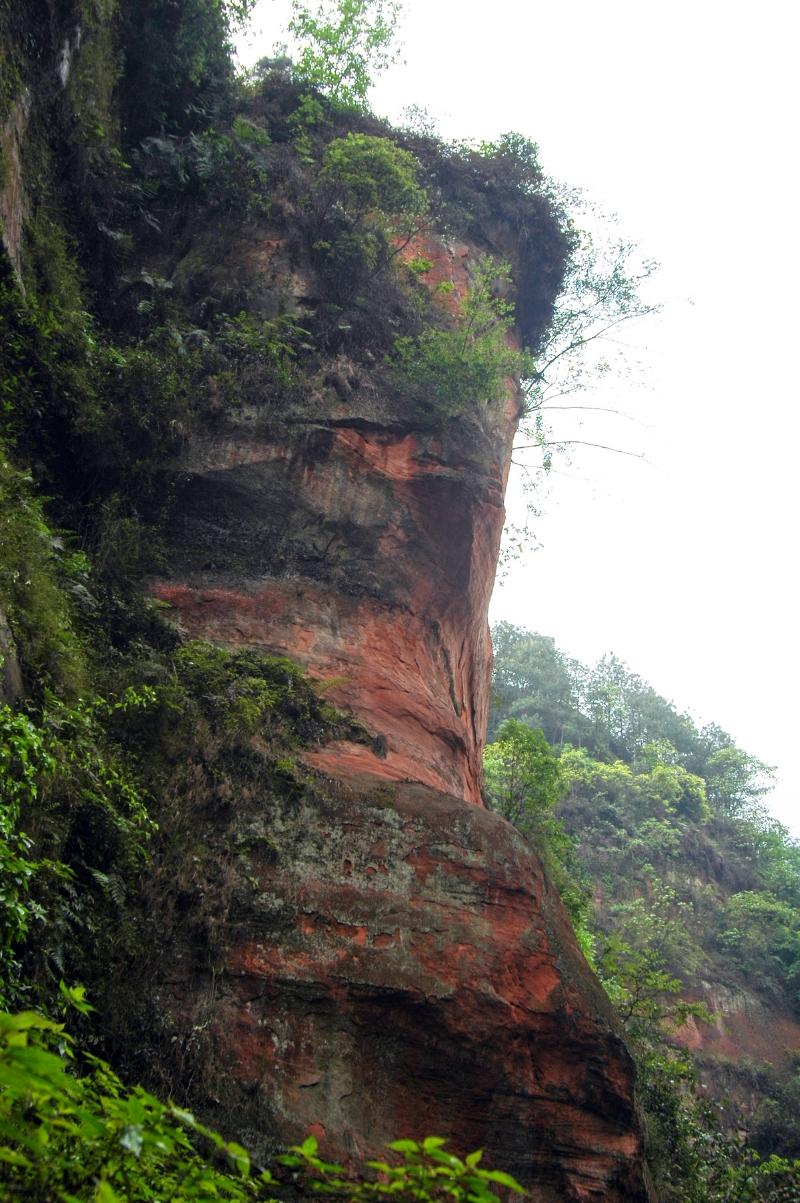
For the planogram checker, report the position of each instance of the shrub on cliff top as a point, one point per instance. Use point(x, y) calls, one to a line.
point(371, 175)
point(367, 204)
point(470, 363)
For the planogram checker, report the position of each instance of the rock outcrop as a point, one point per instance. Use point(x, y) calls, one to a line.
point(388, 958)
point(406, 968)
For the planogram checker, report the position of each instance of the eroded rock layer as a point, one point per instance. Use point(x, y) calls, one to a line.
point(406, 969)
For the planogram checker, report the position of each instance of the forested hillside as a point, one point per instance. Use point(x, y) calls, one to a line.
point(683, 888)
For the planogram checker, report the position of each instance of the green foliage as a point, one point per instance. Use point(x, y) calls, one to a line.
point(534, 682)
point(177, 62)
point(427, 1172)
point(736, 780)
point(472, 363)
point(612, 713)
point(22, 756)
point(635, 963)
point(692, 1159)
point(368, 203)
point(763, 933)
point(48, 337)
point(228, 169)
point(514, 162)
point(774, 1124)
point(523, 778)
point(70, 1130)
point(367, 174)
point(68, 785)
point(32, 566)
point(601, 292)
point(270, 344)
point(85, 407)
point(692, 882)
point(344, 44)
point(241, 690)
point(223, 166)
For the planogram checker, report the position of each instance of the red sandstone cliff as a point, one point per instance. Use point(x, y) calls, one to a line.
point(366, 549)
point(406, 968)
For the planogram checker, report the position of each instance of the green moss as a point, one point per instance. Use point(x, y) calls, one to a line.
point(92, 83)
point(243, 693)
point(10, 59)
point(385, 796)
point(32, 593)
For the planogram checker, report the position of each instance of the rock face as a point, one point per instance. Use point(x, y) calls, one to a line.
point(406, 968)
point(363, 545)
point(12, 194)
point(743, 1026)
point(406, 971)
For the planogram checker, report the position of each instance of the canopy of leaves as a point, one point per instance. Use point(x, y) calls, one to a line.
point(177, 62)
point(344, 45)
point(370, 174)
point(522, 775)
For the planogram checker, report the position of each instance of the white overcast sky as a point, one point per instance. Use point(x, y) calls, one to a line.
point(681, 118)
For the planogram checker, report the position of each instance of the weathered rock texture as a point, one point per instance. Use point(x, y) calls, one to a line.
point(405, 968)
point(365, 548)
point(743, 1027)
point(12, 195)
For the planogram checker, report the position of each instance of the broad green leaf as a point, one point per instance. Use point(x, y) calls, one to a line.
point(239, 1156)
point(105, 1194)
point(12, 1157)
point(502, 1179)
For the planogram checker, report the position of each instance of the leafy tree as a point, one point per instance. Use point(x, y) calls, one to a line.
point(513, 161)
point(658, 751)
point(536, 683)
point(177, 62)
point(674, 791)
point(367, 175)
point(524, 780)
point(691, 880)
point(601, 293)
point(736, 780)
point(638, 960)
point(523, 777)
point(764, 933)
point(367, 205)
point(605, 280)
point(606, 708)
point(344, 45)
point(774, 1127)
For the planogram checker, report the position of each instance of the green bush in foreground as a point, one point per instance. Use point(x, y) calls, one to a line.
point(71, 1132)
